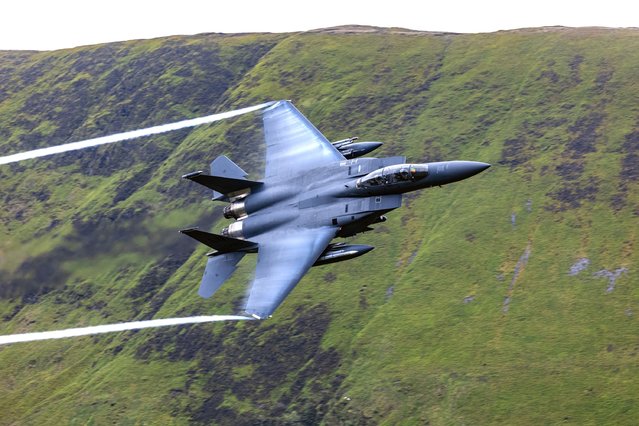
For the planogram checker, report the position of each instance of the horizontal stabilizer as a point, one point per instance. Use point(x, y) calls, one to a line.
point(223, 185)
point(218, 269)
point(221, 243)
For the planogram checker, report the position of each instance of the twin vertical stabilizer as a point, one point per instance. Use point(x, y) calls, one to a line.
point(227, 179)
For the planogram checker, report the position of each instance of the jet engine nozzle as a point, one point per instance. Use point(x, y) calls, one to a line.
point(234, 230)
point(235, 210)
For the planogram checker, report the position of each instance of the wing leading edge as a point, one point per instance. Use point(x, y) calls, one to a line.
point(293, 144)
point(283, 259)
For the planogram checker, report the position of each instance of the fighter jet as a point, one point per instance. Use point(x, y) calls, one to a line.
point(312, 192)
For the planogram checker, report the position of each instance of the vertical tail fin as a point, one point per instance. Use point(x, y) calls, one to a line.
point(218, 269)
point(227, 180)
point(223, 166)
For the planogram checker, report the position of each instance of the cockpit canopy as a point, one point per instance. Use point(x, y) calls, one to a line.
point(393, 174)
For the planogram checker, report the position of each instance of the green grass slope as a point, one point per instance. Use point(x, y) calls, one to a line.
point(509, 298)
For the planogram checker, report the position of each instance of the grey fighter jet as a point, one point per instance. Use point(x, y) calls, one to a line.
point(312, 192)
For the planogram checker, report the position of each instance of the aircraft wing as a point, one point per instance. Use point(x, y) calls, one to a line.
point(293, 144)
point(282, 260)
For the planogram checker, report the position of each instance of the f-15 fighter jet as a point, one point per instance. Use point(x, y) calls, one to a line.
point(312, 192)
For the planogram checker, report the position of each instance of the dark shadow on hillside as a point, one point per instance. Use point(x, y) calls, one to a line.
point(252, 361)
point(104, 235)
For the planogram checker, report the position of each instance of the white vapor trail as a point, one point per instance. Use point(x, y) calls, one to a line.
point(108, 328)
point(129, 135)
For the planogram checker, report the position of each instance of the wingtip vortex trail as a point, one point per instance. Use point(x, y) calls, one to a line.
point(119, 137)
point(110, 328)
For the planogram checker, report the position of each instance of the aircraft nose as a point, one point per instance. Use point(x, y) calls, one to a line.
point(458, 170)
point(471, 168)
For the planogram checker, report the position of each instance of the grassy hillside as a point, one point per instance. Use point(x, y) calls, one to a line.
point(509, 298)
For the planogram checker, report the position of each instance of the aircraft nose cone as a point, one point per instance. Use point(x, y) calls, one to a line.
point(474, 167)
point(453, 171)
point(465, 169)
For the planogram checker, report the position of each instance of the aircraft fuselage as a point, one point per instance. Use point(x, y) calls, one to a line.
point(352, 194)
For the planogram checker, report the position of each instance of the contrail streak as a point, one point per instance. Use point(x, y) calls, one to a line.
point(108, 328)
point(129, 135)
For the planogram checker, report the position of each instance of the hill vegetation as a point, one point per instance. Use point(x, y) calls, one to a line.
point(509, 298)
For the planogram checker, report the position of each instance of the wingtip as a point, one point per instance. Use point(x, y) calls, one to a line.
point(273, 105)
point(187, 230)
point(192, 174)
point(253, 315)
